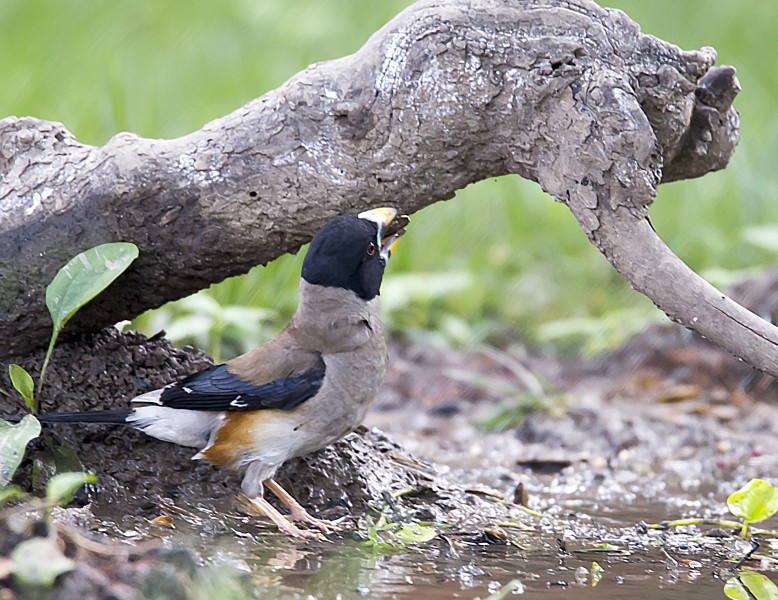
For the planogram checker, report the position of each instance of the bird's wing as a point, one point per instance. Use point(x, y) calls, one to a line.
point(219, 389)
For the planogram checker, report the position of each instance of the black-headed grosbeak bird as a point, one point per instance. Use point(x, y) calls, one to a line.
point(298, 392)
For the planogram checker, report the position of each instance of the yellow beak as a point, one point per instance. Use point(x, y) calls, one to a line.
point(390, 227)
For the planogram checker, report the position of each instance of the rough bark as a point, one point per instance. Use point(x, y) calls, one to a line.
point(565, 93)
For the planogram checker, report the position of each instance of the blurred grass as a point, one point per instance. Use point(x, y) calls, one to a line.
point(500, 263)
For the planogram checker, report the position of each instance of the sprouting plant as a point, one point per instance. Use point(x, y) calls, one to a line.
point(38, 561)
point(384, 536)
point(755, 502)
point(14, 438)
point(79, 281)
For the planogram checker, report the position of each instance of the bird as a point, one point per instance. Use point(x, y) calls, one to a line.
point(296, 393)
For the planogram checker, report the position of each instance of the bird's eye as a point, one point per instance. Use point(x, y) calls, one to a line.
point(371, 248)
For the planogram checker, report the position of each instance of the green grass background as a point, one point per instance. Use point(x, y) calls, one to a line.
point(501, 263)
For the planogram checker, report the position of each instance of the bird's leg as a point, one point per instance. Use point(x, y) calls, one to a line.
point(263, 507)
point(253, 498)
point(296, 511)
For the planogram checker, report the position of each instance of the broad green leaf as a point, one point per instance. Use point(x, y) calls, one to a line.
point(85, 276)
point(14, 438)
point(80, 280)
point(39, 561)
point(23, 384)
point(61, 488)
point(414, 533)
point(750, 585)
point(754, 502)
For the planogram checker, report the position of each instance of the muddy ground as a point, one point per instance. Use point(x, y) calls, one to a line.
point(664, 428)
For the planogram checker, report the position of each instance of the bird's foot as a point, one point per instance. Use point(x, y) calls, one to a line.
point(325, 526)
point(298, 513)
point(263, 507)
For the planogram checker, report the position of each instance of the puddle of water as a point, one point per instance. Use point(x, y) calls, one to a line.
point(649, 564)
point(284, 570)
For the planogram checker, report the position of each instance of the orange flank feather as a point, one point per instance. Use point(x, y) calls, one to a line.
point(235, 437)
point(242, 434)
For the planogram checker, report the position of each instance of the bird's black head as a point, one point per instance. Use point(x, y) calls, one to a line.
point(350, 252)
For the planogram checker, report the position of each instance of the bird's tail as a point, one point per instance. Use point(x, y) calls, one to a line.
point(116, 416)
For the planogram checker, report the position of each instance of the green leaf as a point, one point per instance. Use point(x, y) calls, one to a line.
point(754, 502)
point(23, 384)
point(597, 572)
point(81, 279)
point(39, 561)
point(61, 488)
point(13, 440)
point(749, 585)
point(84, 276)
point(415, 533)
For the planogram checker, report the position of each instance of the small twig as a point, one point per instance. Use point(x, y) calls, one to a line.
point(715, 522)
point(747, 555)
point(515, 525)
point(417, 467)
point(524, 509)
point(672, 562)
point(162, 503)
point(106, 549)
point(765, 558)
point(529, 379)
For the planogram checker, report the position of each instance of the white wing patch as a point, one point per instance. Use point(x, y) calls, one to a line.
point(150, 397)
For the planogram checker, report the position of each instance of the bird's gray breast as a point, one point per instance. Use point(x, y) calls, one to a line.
point(351, 382)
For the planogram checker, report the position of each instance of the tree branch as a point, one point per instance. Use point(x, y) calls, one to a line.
point(562, 92)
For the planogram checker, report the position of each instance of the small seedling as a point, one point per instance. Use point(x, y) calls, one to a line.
point(79, 281)
point(754, 502)
point(384, 536)
point(38, 561)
